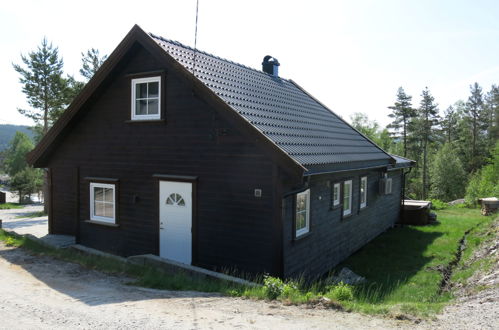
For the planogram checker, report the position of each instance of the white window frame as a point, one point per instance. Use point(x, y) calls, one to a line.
point(337, 201)
point(92, 202)
point(137, 81)
point(363, 194)
point(306, 229)
point(349, 183)
point(388, 186)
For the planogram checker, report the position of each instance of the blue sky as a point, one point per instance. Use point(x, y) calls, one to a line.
point(351, 55)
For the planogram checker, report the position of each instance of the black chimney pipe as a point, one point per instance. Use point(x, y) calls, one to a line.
point(270, 65)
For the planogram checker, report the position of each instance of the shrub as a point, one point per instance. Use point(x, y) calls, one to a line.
point(340, 292)
point(437, 204)
point(273, 286)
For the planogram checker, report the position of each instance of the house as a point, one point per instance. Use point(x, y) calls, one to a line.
point(201, 160)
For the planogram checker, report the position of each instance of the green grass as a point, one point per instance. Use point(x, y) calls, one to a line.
point(6, 206)
point(31, 215)
point(404, 265)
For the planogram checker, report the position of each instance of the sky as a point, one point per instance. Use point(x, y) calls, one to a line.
point(351, 55)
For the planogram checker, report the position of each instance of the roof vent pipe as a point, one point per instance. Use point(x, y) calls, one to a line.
point(270, 65)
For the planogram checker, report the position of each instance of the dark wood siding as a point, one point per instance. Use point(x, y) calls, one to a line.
point(234, 228)
point(333, 238)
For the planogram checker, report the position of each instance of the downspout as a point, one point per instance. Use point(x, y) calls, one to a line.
point(402, 199)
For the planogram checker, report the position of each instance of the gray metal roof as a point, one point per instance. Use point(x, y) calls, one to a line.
point(301, 126)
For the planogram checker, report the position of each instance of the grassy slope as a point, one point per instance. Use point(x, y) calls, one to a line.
point(404, 265)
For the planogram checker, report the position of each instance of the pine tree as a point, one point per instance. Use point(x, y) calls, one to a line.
point(492, 110)
point(91, 62)
point(428, 119)
point(476, 117)
point(402, 113)
point(43, 84)
point(449, 124)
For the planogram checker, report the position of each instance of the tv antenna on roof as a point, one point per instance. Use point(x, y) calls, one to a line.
point(195, 39)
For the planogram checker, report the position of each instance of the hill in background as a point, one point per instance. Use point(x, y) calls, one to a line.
point(7, 132)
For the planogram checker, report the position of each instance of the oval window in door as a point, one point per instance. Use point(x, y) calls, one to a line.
point(175, 199)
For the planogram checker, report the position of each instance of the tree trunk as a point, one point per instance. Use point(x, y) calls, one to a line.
point(405, 139)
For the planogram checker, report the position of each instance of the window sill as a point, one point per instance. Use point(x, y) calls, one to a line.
point(132, 121)
point(332, 208)
point(343, 217)
point(302, 236)
point(102, 223)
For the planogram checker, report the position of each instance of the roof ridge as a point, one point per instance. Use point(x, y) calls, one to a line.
point(178, 43)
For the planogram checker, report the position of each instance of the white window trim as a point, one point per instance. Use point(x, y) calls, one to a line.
point(388, 186)
point(141, 81)
point(349, 210)
point(337, 201)
point(92, 202)
point(306, 229)
point(363, 180)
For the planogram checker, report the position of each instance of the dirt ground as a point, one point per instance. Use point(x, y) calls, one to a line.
point(44, 293)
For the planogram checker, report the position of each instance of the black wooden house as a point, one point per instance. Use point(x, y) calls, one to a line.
point(194, 158)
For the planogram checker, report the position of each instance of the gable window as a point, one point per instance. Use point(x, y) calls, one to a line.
point(146, 99)
point(363, 192)
point(302, 216)
point(347, 197)
point(336, 194)
point(103, 202)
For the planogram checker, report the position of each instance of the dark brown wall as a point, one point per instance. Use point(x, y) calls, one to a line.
point(332, 237)
point(234, 229)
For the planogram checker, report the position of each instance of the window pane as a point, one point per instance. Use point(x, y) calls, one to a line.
point(141, 107)
point(108, 210)
point(301, 202)
point(99, 209)
point(153, 107)
point(336, 194)
point(98, 194)
point(141, 91)
point(300, 220)
point(153, 89)
point(108, 195)
point(346, 203)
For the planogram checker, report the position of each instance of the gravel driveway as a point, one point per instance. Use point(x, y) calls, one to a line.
point(44, 293)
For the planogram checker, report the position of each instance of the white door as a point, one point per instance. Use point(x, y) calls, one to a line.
point(175, 221)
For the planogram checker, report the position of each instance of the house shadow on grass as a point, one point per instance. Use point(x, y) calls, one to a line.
point(391, 260)
point(90, 287)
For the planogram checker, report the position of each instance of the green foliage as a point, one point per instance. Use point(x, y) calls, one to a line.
point(27, 182)
point(273, 286)
point(437, 204)
point(43, 84)
point(402, 113)
point(447, 175)
point(340, 292)
point(485, 182)
point(91, 61)
point(15, 155)
point(8, 206)
point(7, 132)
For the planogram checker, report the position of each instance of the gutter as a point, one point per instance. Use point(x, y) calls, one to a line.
point(347, 170)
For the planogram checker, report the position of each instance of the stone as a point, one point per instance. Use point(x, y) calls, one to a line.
point(348, 277)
